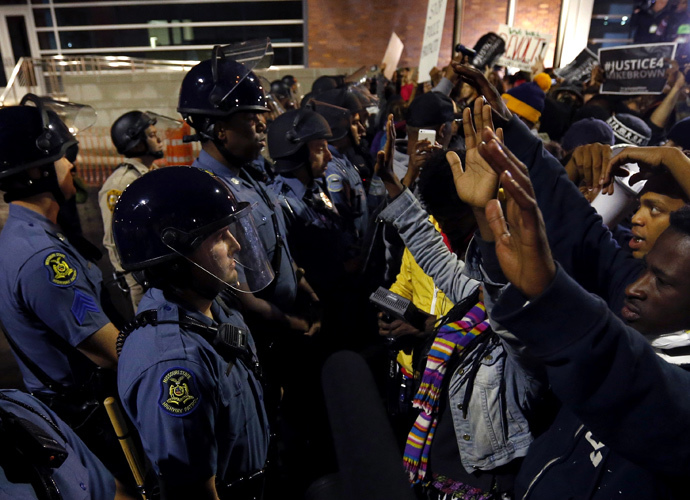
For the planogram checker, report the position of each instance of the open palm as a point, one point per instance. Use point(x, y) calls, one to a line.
point(476, 183)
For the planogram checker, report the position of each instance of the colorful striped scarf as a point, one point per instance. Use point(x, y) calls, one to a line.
point(450, 337)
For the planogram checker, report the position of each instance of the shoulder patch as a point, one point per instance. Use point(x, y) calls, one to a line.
point(60, 272)
point(179, 393)
point(334, 183)
point(111, 198)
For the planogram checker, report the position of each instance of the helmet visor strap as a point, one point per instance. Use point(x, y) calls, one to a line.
point(247, 269)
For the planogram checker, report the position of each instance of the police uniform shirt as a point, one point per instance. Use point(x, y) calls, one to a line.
point(197, 415)
point(80, 477)
point(49, 298)
point(305, 205)
point(123, 176)
point(341, 171)
point(315, 231)
point(263, 202)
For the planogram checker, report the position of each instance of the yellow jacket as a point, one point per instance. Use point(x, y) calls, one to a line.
point(418, 287)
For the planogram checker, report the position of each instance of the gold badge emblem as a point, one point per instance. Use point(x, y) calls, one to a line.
point(177, 392)
point(60, 273)
point(326, 200)
point(111, 198)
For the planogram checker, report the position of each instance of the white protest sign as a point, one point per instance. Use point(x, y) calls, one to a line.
point(433, 33)
point(392, 55)
point(523, 47)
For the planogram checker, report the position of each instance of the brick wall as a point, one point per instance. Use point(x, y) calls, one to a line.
point(479, 17)
point(541, 16)
point(356, 32)
point(538, 15)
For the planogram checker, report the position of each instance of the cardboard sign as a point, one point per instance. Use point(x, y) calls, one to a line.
point(523, 47)
point(580, 69)
point(392, 55)
point(433, 33)
point(635, 69)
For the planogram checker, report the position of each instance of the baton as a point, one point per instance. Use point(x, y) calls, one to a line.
point(122, 433)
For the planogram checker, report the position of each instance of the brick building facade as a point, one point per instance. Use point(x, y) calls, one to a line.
point(356, 32)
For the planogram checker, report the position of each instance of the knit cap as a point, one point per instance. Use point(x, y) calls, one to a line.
point(587, 131)
point(629, 129)
point(680, 133)
point(527, 100)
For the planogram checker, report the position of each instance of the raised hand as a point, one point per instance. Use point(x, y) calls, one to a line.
point(417, 159)
point(588, 163)
point(476, 79)
point(384, 162)
point(650, 159)
point(521, 244)
point(477, 183)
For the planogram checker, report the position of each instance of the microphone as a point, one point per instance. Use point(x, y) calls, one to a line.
point(371, 466)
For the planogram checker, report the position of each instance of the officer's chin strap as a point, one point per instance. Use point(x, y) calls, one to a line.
point(211, 294)
point(47, 183)
point(157, 154)
point(233, 160)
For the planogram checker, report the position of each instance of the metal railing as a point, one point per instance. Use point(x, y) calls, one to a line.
point(43, 76)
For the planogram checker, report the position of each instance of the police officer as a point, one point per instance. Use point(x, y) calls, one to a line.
point(187, 374)
point(50, 295)
point(298, 143)
point(43, 458)
point(222, 100)
point(343, 179)
point(135, 136)
point(282, 93)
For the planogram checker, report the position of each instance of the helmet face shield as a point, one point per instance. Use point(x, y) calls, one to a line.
point(254, 272)
point(77, 117)
point(230, 251)
point(252, 54)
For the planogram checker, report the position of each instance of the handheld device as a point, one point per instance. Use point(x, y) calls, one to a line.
point(398, 307)
point(427, 134)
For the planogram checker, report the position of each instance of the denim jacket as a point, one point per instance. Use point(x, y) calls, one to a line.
point(493, 430)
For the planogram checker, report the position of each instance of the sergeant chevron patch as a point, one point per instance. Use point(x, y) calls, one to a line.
point(82, 304)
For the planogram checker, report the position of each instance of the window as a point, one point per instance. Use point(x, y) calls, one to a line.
point(175, 29)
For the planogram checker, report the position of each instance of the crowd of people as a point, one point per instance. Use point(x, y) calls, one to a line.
point(537, 228)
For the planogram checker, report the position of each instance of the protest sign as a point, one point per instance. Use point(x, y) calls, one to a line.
point(523, 47)
point(392, 55)
point(635, 69)
point(433, 32)
point(580, 69)
point(487, 49)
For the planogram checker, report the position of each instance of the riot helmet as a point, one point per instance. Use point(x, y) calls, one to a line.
point(129, 131)
point(282, 92)
point(31, 136)
point(338, 118)
point(280, 89)
point(289, 135)
point(168, 214)
point(217, 88)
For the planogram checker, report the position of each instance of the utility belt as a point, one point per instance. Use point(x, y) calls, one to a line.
point(75, 405)
point(77, 408)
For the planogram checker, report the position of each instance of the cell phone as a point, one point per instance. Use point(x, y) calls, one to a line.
point(427, 134)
